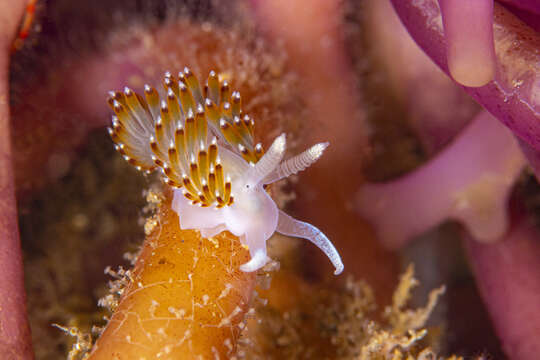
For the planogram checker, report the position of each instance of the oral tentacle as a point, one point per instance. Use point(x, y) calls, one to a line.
point(468, 30)
point(469, 181)
point(287, 225)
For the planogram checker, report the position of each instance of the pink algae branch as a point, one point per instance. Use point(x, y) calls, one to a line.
point(468, 29)
point(15, 339)
point(512, 96)
point(508, 278)
point(469, 181)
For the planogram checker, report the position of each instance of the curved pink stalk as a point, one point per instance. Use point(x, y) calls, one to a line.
point(512, 96)
point(469, 181)
point(468, 28)
point(15, 339)
point(508, 277)
point(532, 6)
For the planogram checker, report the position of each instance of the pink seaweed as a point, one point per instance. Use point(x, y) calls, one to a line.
point(15, 339)
point(468, 29)
point(513, 95)
point(507, 272)
point(508, 277)
point(469, 181)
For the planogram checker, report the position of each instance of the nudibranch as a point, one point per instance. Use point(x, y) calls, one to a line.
point(203, 145)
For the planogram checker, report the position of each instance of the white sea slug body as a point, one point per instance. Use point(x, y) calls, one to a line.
point(203, 144)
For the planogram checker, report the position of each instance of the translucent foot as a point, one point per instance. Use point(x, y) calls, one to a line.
point(258, 260)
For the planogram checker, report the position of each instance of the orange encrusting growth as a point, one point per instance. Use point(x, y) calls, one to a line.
point(26, 23)
point(186, 297)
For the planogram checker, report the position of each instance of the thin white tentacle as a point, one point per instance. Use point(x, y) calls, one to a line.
point(296, 164)
point(268, 162)
point(287, 225)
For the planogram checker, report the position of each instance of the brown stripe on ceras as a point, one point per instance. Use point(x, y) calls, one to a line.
point(158, 144)
point(157, 156)
point(226, 110)
point(207, 193)
point(220, 202)
point(131, 161)
point(174, 160)
point(124, 151)
point(172, 176)
point(164, 112)
point(152, 98)
point(205, 92)
point(193, 84)
point(229, 132)
point(248, 121)
point(212, 112)
point(160, 132)
point(248, 154)
point(244, 130)
point(175, 113)
point(225, 92)
point(171, 183)
point(203, 166)
point(259, 151)
point(236, 104)
point(186, 98)
point(191, 191)
point(131, 99)
point(212, 85)
point(227, 194)
point(123, 138)
point(118, 133)
point(190, 136)
point(194, 175)
point(115, 95)
point(179, 143)
point(191, 197)
point(204, 202)
point(220, 185)
point(138, 109)
point(201, 127)
point(120, 111)
point(170, 82)
point(204, 175)
point(212, 182)
point(212, 152)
